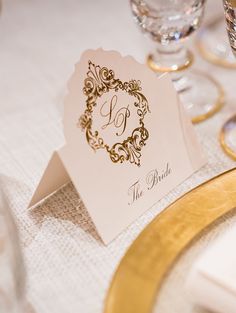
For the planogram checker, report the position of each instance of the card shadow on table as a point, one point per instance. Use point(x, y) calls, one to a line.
point(65, 204)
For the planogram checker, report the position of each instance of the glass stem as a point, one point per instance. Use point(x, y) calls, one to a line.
point(174, 56)
point(171, 55)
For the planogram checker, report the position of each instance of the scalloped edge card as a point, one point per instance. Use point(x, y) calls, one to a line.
point(128, 141)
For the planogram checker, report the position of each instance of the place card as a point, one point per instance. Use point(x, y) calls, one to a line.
point(128, 141)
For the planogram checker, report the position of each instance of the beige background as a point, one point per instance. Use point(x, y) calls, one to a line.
point(69, 269)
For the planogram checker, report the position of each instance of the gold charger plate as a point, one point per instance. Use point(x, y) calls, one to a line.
point(141, 271)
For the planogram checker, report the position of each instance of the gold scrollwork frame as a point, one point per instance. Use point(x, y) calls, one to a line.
point(99, 81)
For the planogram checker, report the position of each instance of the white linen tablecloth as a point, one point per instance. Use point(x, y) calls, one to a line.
point(69, 269)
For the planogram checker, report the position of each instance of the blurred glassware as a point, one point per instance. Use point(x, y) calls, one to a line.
point(230, 16)
point(228, 131)
point(12, 275)
point(169, 23)
point(212, 45)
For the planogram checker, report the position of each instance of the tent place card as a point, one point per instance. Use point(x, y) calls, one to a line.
point(128, 140)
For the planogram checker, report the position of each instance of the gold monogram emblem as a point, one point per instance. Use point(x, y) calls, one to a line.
point(99, 81)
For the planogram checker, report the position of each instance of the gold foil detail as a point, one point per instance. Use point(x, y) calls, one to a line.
point(99, 81)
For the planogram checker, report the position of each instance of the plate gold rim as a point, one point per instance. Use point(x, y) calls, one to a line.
point(143, 268)
point(222, 138)
point(220, 100)
point(175, 68)
point(211, 57)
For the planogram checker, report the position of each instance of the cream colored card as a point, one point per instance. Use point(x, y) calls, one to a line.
point(128, 140)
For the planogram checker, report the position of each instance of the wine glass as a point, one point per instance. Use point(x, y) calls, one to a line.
point(11, 264)
point(169, 23)
point(230, 16)
point(228, 131)
point(212, 46)
point(210, 40)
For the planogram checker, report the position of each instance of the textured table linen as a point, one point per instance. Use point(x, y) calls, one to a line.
point(69, 269)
